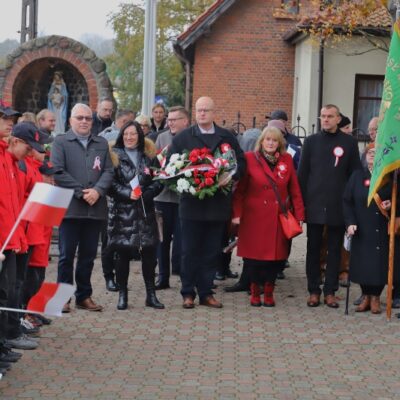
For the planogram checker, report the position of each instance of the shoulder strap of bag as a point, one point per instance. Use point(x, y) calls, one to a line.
point(273, 184)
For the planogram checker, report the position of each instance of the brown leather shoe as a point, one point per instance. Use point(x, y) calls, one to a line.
point(376, 305)
point(365, 304)
point(314, 300)
point(188, 302)
point(331, 301)
point(66, 309)
point(210, 301)
point(89, 304)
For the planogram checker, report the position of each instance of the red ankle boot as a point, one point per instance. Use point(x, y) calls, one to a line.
point(269, 295)
point(255, 300)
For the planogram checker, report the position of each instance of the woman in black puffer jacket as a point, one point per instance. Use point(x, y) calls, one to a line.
point(132, 224)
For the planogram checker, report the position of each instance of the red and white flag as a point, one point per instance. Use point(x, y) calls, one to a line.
point(47, 204)
point(137, 191)
point(51, 298)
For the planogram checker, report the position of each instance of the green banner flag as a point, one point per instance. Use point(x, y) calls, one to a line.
point(387, 144)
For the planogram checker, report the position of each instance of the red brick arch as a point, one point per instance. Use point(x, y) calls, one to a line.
point(27, 57)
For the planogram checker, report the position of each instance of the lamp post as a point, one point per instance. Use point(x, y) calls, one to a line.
point(149, 59)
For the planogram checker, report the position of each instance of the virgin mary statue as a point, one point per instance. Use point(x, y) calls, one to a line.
point(57, 101)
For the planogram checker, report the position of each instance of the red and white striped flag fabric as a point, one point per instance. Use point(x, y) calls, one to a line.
point(51, 298)
point(46, 204)
point(137, 191)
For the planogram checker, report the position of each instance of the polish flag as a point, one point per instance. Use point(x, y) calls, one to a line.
point(137, 191)
point(47, 204)
point(50, 298)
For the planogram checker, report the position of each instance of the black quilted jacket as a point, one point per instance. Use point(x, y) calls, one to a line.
point(128, 227)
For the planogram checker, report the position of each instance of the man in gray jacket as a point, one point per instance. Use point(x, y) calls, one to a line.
point(168, 203)
point(82, 163)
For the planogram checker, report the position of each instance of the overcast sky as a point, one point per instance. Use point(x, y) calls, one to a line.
point(71, 18)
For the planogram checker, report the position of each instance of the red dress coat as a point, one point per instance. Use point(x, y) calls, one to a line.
point(260, 235)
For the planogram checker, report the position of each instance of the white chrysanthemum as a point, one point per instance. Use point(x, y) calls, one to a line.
point(175, 157)
point(192, 190)
point(179, 164)
point(188, 173)
point(170, 169)
point(182, 185)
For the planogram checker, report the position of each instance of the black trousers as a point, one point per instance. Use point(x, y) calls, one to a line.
point(171, 233)
point(16, 294)
point(261, 271)
point(201, 252)
point(149, 263)
point(7, 281)
point(372, 290)
point(81, 234)
point(313, 269)
point(34, 278)
point(225, 261)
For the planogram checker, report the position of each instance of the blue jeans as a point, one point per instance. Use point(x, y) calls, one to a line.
point(171, 233)
point(201, 253)
point(81, 234)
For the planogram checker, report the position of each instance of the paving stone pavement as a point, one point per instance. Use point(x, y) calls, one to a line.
point(239, 352)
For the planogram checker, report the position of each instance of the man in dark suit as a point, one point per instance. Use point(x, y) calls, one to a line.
point(203, 221)
point(328, 159)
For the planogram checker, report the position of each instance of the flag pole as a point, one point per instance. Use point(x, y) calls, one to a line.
point(144, 210)
point(391, 247)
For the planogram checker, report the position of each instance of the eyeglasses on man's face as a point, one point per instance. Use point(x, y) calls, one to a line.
point(169, 120)
point(203, 110)
point(82, 117)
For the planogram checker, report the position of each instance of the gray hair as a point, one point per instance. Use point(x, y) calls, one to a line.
point(78, 106)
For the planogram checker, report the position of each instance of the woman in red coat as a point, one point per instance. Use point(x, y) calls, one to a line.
point(261, 243)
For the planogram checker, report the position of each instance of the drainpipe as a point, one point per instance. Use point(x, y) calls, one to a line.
point(188, 84)
point(320, 80)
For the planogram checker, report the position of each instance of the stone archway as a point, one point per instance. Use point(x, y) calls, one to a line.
point(26, 78)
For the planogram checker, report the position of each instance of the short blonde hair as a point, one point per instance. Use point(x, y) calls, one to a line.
point(143, 120)
point(275, 133)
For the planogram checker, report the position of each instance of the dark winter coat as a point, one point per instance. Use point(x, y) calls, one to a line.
point(128, 228)
point(76, 168)
point(218, 207)
point(323, 176)
point(370, 244)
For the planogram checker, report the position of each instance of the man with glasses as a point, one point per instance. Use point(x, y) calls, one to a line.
point(102, 118)
point(168, 203)
point(203, 221)
point(327, 161)
point(82, 162)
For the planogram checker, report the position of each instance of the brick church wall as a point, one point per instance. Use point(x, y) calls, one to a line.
point(244, 64)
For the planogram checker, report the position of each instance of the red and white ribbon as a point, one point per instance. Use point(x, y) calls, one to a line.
point(338, 153)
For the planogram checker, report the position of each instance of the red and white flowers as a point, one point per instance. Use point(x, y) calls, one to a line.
point(198, 172)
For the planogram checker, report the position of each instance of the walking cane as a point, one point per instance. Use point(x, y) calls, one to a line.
point(346, 311)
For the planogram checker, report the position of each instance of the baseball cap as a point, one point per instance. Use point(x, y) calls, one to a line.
point(279, 114)
point(6, 109)
point(30, 134)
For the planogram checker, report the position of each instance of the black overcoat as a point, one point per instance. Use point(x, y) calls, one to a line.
point(323, 176)
point(370, 244)
point(128, 228)
point(218, 207)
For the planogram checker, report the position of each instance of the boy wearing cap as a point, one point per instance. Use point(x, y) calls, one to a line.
point(9, 209)
point(25, 138)
point(289, 137)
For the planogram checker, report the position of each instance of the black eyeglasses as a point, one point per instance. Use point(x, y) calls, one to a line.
point(81, 118)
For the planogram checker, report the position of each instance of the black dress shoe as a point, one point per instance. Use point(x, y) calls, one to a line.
point(237, 287)
point(111, 286)
point(162, 285)
point(5, 365)
point(231, 275)
point(219, 276)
